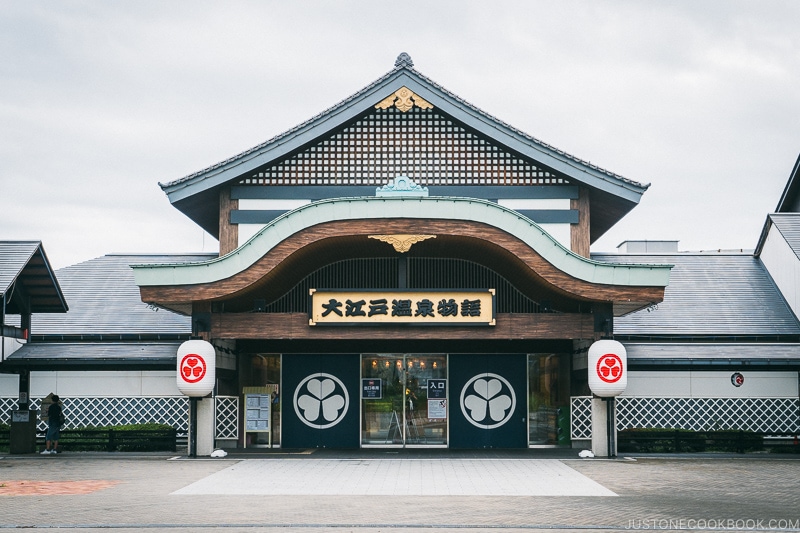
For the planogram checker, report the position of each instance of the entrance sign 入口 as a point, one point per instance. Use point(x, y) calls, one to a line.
point(437, 388)
point(437, 399)
point(196, 372)
point(413, 307)
point(608, 368)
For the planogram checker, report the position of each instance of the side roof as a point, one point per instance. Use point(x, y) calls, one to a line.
point(27, 281)
point(710, 295)
point(190, 193)
point(788, 224)
point(788, 204)
point(105, 301)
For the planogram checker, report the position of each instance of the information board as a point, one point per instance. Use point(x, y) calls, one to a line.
point(257, 412)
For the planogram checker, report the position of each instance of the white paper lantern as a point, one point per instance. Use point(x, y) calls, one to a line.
point(608, 368)
point(196, 368)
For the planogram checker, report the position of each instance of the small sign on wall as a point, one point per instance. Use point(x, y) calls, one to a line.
point(371, 389)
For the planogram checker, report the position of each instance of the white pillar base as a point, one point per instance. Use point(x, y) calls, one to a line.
point(599, 427)
point(205, 426)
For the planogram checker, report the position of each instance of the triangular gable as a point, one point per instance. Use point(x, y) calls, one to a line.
point(27, 281)
point(789, 204)
point(191, 193)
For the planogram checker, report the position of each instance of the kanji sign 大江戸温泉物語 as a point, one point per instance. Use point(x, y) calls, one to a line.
point(414, 307)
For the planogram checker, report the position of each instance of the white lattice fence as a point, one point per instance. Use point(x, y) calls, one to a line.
point(767, 415)
point(83, 412)
point(227, 417)
point(580, 417)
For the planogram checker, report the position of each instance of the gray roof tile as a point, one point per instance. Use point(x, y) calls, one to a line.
point(104, 300)
point(716, 352)
point(14, 255)
point(710, 295)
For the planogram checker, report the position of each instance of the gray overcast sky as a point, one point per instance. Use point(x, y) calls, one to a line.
point(100, 101)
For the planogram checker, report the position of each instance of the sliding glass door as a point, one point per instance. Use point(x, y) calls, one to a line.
point(404, 399)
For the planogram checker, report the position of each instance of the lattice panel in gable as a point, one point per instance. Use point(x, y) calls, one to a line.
point(419, 143)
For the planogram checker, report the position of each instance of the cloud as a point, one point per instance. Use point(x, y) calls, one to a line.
point(101, 101)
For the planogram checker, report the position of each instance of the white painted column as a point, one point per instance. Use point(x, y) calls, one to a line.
point(205, 426)
point(599, 427)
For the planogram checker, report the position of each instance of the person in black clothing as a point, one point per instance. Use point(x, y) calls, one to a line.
point(54, 417)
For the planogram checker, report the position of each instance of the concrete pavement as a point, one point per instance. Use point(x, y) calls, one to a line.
point(409, 490)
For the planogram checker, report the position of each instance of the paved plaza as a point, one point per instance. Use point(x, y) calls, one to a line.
point(379, 491)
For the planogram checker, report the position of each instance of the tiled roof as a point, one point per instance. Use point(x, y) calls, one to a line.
point(14, 255)
point(104, 300)
point(710, 295)
point(97, 351)
point(656, 353)
point(376, 83)
point(24, 266)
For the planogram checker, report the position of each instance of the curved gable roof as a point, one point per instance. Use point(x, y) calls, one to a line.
point(586, 271)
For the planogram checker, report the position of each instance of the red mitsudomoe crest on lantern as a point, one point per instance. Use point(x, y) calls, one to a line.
point(608, 368)
point(193, 368)
point(196, 368)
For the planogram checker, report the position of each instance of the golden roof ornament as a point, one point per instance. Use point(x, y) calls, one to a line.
point(402, 242)
point(404, 99)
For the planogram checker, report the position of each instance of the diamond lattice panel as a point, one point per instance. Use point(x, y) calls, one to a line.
point(581, 417)
point(84, 412)
point(420, 143)
point(765, 415)
point(227, 417)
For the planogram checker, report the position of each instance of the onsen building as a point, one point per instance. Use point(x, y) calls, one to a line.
point(404, 269)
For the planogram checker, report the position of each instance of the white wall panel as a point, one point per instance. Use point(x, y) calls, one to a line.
point(43, 383)
point(9, 385)
point(246, 231)
point(658, 384)
point(560, 232)
point(271, 205)
point(128, 383)
point(697, 384)
point(89, 384)
point(159, 383)
point(534, 203)
point(756, 385)
point(784, 267)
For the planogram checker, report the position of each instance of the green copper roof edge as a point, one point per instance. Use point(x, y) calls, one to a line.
point(432, 207)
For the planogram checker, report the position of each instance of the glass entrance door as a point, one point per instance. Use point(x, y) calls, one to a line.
point(404, 399)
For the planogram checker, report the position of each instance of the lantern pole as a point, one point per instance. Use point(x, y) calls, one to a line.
point(611, 427)
point(192, 427)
